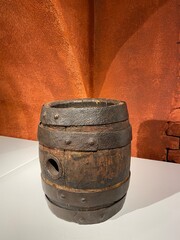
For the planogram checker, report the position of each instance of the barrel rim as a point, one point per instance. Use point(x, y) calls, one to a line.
point(86, 217)
point(109, 102)
point(80, 113)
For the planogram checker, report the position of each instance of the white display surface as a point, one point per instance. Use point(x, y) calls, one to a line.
point(151, 210)
point(15, 152)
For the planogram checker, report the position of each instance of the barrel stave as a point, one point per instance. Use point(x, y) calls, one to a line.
point(87, 169)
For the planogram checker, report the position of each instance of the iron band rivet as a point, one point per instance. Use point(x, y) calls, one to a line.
point(68, 141)
point(62, 196)
point(56, 116)
point(83, 200)
point(91, 142)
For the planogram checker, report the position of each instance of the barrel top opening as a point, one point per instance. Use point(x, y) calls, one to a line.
point(85, 111)
point(85, 103)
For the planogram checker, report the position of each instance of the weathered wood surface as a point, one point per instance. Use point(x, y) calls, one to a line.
point(85, 169)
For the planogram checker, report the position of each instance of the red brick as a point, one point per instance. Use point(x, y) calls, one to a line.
point(171, 142)
point(174, 156)
point(175, 115)
point(174, 129)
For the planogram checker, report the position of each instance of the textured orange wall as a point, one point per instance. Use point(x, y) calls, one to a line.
point(43, 55)
point(136, 60)
point(62, 49)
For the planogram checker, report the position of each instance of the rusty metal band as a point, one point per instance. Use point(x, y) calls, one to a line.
point(81, 198)
point(71, 113)
point(86, 217)
point(83, 141)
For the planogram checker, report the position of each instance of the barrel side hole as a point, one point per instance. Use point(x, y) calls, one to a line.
point(52, 167)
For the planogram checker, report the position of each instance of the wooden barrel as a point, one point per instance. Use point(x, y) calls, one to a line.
point(84, 151)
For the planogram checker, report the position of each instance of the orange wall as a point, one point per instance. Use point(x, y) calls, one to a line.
point(42, 59)
point(136, 60)
point(65, 49)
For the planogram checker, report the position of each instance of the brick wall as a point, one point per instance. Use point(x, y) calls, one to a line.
point(173, 131)
point(173, 128)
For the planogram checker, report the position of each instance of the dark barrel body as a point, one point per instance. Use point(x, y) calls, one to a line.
point(85, 151)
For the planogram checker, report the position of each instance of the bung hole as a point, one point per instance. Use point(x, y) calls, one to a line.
point(52, 167)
